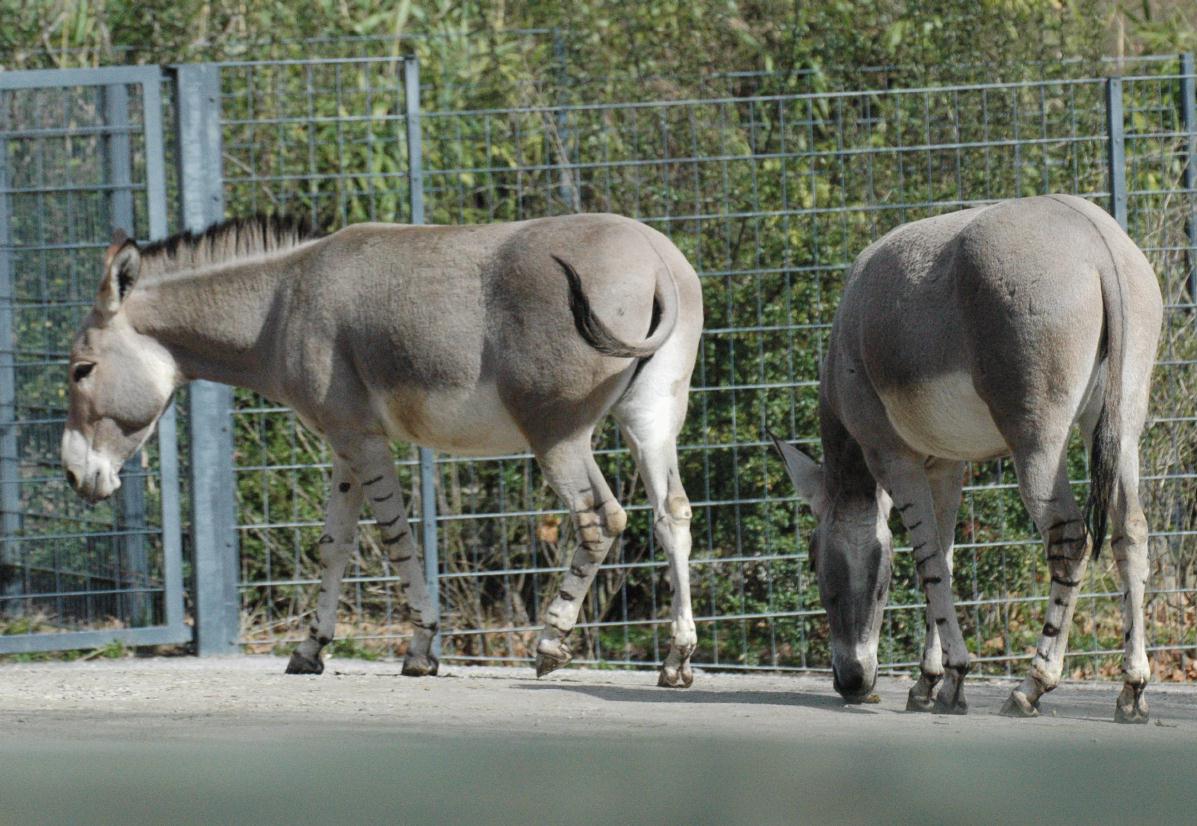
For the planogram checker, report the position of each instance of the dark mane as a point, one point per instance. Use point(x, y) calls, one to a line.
point(226, 241)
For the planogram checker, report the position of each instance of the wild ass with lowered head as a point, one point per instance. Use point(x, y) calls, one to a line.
point(472, 340)
point(966, 337)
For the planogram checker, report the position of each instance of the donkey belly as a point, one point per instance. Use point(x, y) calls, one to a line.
point(943, 416)
point(470, 422)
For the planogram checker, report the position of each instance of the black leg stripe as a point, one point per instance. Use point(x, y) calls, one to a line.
point(915, 525)
point(567, 596)
point(1050, 630)
point(392, 522)
point(932, 580)
point(373, 481)
point(382, 498)
point(394, 539)
point(1068, 583)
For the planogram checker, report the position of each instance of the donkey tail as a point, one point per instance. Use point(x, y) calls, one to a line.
point(1106, 447)
point(599, 336)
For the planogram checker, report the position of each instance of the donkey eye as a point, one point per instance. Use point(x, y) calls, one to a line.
point(81, 371)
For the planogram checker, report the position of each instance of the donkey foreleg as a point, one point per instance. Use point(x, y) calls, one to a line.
point(375, 469)
point(335, 546)
point(946, 479)
point(913, 496)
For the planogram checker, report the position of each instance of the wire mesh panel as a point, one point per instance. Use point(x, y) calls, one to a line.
point(770, 197)
point(80, 154)
point(325, 139)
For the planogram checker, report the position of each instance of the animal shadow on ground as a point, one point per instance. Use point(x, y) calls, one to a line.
point(629, 694)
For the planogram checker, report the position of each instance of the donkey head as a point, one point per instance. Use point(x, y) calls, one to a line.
point(850, 552)
point(120, 382)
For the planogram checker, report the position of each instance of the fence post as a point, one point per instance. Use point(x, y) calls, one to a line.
point(11, 584)
point(1188, 113)
point(131, 518)
point(567, 176)
point(213, 483)
point(1116, 149)
point(415, 181)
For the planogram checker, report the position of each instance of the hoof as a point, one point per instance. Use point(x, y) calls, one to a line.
point(299, 664)
point(676, 677)
point(915, 702)
point(941, 706)
point(1131, 706)
point(1017, 705)
point(1135, 715)
point(919, 697)
point(417, 666)
point(950, 699)
point(551, 655)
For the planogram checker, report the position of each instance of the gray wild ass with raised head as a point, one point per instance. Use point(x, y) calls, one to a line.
point(471, 340)
point(966, 337)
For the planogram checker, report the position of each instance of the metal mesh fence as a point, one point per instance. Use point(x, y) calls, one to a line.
point(79, 156)
point(770, 196)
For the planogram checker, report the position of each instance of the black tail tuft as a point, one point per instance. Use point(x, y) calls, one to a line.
point(1103, 474)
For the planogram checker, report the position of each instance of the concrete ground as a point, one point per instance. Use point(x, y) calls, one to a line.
point(236, 740)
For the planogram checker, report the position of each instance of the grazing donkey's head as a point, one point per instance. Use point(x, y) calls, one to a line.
point(120, 382)
point(850, 552)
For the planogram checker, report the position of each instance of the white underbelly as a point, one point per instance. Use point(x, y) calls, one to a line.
point(472, 422)
point(945, 417)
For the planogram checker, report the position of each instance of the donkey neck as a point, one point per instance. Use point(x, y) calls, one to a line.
point(216, 320)
point(846, 472)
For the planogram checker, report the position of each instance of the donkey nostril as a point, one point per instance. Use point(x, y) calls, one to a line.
point(72, 478)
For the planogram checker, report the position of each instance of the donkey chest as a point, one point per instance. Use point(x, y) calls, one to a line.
point(943, 416)
point(466, 421)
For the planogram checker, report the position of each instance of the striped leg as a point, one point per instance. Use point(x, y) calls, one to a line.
point(906, 480)
point(1043, 483)
point(336, 546)
point(946, 481)
point(598, 520)
point(374, 467)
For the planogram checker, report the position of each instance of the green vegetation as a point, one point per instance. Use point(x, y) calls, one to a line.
point(769, 196)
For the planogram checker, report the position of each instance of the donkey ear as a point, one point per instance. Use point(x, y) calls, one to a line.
point(122, 266)
point(804, 472)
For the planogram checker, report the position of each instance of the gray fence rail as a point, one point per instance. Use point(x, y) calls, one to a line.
point(771, 196)
point(81, 153)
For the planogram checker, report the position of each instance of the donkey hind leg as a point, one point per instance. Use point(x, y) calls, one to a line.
point(906, 480)
point(336, 546)
point(1043, 484)
point(1129, 542)
point(375, 469)
point(652, 436)
point(598, 520)
point(946, 480)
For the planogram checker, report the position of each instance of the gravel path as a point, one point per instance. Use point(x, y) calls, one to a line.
point(236, 739)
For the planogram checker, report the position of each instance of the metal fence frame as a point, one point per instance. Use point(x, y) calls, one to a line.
point(114, 82)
